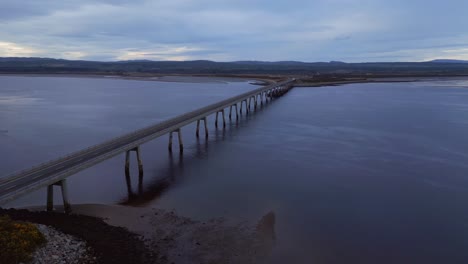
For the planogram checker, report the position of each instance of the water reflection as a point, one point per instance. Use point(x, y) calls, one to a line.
point(168, 176)
point(156, 188)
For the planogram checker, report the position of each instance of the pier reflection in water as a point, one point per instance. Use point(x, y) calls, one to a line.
point(167, 176)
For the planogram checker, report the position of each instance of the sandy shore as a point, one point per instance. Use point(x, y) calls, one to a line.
point(178, 239)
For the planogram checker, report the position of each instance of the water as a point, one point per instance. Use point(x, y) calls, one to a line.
point(362, 173)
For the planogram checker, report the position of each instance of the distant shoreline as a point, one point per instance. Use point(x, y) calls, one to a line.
point(253, 78)
point(322, 83)
point(162, 78)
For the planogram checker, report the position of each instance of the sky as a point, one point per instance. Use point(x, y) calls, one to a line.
point(232, 30)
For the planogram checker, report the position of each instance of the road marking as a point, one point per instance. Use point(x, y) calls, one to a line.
point(10, 187)
point(37, 176)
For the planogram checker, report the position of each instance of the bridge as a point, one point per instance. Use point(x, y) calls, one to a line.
point(55, 172)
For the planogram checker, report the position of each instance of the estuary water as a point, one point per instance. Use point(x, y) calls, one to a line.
point(360, 173)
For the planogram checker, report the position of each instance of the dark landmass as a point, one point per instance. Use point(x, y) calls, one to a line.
point(145, 68)
point(110, 244)
point(449, 61)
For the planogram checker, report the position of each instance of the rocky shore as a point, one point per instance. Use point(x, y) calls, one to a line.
point(62, 248)
point(120, 234)
point(105, 243)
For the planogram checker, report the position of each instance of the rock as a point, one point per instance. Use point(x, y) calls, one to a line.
point(61, 248)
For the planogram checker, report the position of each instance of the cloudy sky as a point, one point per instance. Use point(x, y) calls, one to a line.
point(228, 30)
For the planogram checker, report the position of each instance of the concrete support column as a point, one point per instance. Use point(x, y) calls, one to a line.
point(127, 161)
point(206, 127)
point(140, 162)
point(224, 119)
point(50, 196)
point(127, 168)
point(246, 106)
point(170, 142)
point(66, 204)
point(198, 127)
point(181, 144)
point(237, 112)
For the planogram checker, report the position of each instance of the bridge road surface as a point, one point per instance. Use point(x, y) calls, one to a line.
point(48, 173)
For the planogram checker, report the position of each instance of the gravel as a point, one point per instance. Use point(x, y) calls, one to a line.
point(61, 248)
point(109, 244)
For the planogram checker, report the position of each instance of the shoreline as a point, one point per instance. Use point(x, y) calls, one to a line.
point(261, 80)
point(109, 244)
point(155, 78)
point(168, 237)
point(379, 80)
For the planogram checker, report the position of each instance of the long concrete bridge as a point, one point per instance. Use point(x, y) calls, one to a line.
point(56, 171)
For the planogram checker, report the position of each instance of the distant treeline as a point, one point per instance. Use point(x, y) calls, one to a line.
point(46, 65)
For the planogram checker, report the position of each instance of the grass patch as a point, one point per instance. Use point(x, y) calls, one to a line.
point(18, 240)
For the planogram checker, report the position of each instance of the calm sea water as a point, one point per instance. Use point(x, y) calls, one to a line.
point(362, 173)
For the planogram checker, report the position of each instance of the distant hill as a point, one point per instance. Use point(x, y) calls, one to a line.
point(448, 61)
point(145, 67)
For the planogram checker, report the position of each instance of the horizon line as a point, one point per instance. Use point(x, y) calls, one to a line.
point(238, 61)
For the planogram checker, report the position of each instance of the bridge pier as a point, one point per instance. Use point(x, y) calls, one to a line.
point(260, 96)
point(181, 145)
point(127, 162)
point(230, 112)
point(246, 106)
point(127, 168)
point(50, 196)
point(198, 127)
point(224, 120)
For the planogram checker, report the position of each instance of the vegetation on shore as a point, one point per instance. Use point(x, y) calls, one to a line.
point(18, 240)
point(109, 244)
point(203, 67)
